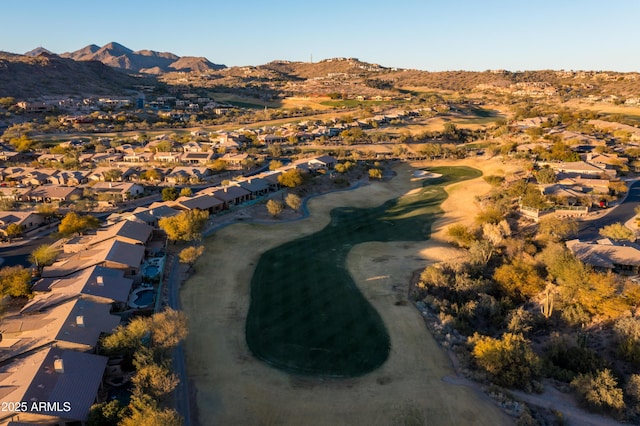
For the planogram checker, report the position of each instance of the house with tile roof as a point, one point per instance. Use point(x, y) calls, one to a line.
point(57, 386)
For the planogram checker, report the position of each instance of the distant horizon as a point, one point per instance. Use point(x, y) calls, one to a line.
point(409, 34)
point(325, 59)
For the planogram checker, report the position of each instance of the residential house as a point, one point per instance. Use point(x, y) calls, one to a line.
point(256, 186)
point(580, 168)
point(198, 157)
point(38, 177)
point(202, 202)
point(75, 323)
point(107, 157)
point(126, 231)
point(231, 195)
point(147, 215)
point(138, 157)
point(49, 193)
point(28, 220)
point(228, 142)
point(69, 177)
point(123, 190)
point(188, 174)
point(58, 386)
point(325, 162)
point(271, 139)
point(587, 185)
point(272, 179)
point(112, 253)
point(193, 147)
point(9, 156)
point(45, 158)
point(97, 283)
point(14, 193)
point(235, 161)
point(167, 157)
point(607, 255)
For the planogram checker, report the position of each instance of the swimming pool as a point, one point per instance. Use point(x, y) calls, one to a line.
point(142, 298)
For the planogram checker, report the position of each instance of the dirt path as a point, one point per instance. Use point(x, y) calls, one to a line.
point(234, 388)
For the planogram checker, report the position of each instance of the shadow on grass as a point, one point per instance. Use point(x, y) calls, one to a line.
point(307, 315)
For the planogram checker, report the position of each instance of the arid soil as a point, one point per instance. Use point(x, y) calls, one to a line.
point(233, 387)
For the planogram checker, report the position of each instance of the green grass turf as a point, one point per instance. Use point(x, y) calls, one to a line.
point(307, 315)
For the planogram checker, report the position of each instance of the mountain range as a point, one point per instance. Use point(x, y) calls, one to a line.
point(115, 69)
point(142, 61)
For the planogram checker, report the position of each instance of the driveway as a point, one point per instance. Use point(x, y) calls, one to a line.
point(625, 211)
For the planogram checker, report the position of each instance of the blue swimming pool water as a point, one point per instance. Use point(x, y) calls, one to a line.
point(151, 271)
point(144, 298)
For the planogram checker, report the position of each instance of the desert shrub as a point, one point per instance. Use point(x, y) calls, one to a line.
point(575, 315)
point(519, 279)
point(564, 361)
point(632, 389)
point(462, 235)
point(509, 361)
point(494, 180)
point(599, 391)
point(628, 332)
point(520, 321)
point(489, 215)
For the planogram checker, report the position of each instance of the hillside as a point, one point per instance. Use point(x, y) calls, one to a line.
point(146, 61)
point(341, 77)
point(25, 77)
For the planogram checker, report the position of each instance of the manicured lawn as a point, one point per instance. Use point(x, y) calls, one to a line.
point(306, 314)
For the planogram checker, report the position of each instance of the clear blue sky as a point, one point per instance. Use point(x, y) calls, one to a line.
point(423, 34)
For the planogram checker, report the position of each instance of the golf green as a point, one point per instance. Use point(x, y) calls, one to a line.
point(307, 315)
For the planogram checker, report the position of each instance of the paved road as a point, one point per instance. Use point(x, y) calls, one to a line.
point(589, 229)
point(17, 253)
point(181, 393)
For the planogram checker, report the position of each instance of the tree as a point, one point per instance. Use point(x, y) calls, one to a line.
point(546, 175)
point(46, 210)
point(293, 201)
point(274, 207)
point(291, 178)
point(510, 361)
point(112, 175)
point(14, 281)
point(165, 330)
point(154, 380)
point(42, 256)
point(275, 164)
point(617, 231)
point(152, 175)
point(519, 279)
point(186, 192)
point(599, 391)
point(145, 411)
point(106, 413)
point(218, 165)
point(559, 228)
point(186, 226)
point(375, 173)
point(169, 194)
point(618, 187)
point(74, 223)
point(22, 143)
point(13, 230)
point(189, 255)
point(168, 329)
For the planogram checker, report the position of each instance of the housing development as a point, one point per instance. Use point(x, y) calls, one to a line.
point(331, 242)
